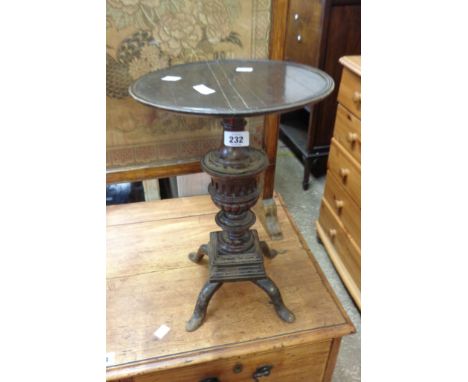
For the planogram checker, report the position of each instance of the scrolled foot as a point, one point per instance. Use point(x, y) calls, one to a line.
point(285, 314)
point(203, 300)
point(194, 323)
point(267, 251)
point(273, 292)
point(197, 256)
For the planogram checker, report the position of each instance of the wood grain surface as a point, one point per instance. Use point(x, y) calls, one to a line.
point(344, 253)
point(346, 210)
point(347, 249)
point(349, 94)
point(348, 132)
point(345, 168)
point(353, 63)
point(304, 31)
point(339, 224)
point(305, 363)
point(151, 282)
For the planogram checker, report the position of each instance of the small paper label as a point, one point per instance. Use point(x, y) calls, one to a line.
point(161, 332)
point(244, 69)
point(236, 138)
point(110, 359)
point(171, 78)
point(203, 89)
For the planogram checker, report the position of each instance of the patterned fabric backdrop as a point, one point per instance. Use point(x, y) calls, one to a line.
point(146, 35)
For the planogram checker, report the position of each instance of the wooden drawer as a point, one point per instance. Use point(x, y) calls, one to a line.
point(349, 94)
point(346, 170)
point(348, 132)
point(303, 31)
point(344, 207)
point(346, 250)
point(300, 363)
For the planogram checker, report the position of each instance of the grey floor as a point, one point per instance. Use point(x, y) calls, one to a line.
point(304, 206)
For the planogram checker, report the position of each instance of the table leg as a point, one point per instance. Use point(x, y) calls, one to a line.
point(273, 292)
point(235, 253)
point(267, 251)
point(197, 256)
point(203, 300)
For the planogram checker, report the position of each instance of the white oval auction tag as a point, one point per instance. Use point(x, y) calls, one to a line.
point(236, 138)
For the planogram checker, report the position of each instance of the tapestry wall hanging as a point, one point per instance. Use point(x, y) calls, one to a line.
point(146, 35)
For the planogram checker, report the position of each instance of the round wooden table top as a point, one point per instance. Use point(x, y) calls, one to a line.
point(233, 88)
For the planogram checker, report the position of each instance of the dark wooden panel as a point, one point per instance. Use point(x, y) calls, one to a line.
point(307, 25)
point(329, 29)
point(343, 38)
point(279, 9)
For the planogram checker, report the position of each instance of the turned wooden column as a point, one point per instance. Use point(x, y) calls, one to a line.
point(235, 253)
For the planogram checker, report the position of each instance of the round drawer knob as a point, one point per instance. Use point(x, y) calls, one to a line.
point(344, 172)
point(339, 204)
point(352, 137)
point(357, 97)
point(332, 233)
point(299, 38)
point(237, 368)
point(296, 16)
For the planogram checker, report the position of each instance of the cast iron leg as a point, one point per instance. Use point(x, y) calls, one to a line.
point(267, 251)
point(272, 290)
point(203, 300)
point(197, 256)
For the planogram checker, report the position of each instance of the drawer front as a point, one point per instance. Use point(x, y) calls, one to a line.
point(347, 250)
point(299, 363)
point(346, 170)
point(348, 132)
point(347, 211)
point(303, 31)
point(349, 94)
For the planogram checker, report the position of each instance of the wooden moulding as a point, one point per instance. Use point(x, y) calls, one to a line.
point(339, 265)
point(353, 63)
point(332, 357)
point(348, 132)
point(143, 173)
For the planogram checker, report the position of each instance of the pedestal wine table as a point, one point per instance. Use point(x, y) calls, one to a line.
point(233, 90)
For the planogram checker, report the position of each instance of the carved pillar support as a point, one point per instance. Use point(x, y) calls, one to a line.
point(235, 253)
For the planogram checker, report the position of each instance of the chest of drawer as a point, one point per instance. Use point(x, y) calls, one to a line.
point(349, 94)
point(348, 132)
point(300, 363)
point(346, 170)
point(347, 251)
point(344, 207)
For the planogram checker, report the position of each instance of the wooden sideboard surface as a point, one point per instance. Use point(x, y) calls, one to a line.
point(339, 224)
point(151, 282)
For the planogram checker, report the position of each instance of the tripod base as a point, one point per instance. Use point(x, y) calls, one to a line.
point(224, 267)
